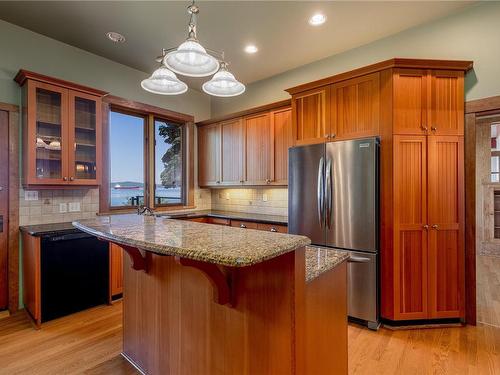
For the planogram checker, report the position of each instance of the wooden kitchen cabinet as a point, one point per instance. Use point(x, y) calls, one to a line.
point(232, 152)
point(61, 132)
point(281, 124)
point(115, 270)
point(311, 116)
point(355, 106)
point(209, 155)
point(259, 149)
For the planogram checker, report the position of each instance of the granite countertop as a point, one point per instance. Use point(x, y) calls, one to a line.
point(217, 244)
point(260, 218)
point(321, 259)
point(42, 229)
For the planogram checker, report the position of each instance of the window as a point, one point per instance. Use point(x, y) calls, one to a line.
point(147, 156)
point(168, 163)
point(126, 159)
point(495, 152)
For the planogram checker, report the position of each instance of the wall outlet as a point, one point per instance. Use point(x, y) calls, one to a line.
point(63, 207)
point(264, 197)
point(30, 195)
point(74, 207)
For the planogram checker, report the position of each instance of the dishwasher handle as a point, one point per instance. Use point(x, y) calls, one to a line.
point(68, 237)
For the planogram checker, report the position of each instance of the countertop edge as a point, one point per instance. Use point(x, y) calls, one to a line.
point(317, 267)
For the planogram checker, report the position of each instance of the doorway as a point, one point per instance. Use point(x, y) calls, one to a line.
point(4, 209)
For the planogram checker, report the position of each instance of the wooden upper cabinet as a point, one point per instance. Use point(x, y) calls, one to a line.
point(410, 101)
point(355, 107)
point(209, 155)
point(61, 132)
point(259, 149)
point(281, 123)
point(410, 231)
point(311, 116)
point(446, 112)
point(446, 233)
point(232, 139)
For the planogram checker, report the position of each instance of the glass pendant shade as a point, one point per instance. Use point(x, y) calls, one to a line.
point(192, 60)
point(223, 84)
point(164, 82)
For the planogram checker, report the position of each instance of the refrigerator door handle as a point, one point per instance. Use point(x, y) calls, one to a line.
point(329, 193)
point(320, 193)
point(355, 259)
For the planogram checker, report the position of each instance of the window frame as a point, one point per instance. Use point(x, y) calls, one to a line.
point(150, 115)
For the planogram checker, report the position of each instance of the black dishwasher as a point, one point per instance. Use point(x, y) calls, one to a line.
point(74, 273)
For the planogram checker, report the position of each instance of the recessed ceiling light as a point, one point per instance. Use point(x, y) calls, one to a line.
point(251, 48)
point(116, 37)
point(317, 19)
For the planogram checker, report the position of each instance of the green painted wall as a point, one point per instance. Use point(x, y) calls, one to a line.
point(21, 48)
point(470, 34)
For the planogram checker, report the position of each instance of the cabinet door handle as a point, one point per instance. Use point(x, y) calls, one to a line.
point(426, 226)
point(433, 128)
point(242, 181)
point(273, 229)
point(72, 178)
point(327, 136)
point(333, 135)
point(243, 226)
point(435, 226)
point(65, 178)
point(268, 181)
point(217, 182)
point(423, 127)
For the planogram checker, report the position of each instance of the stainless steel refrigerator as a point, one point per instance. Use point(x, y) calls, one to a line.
point(333, 198)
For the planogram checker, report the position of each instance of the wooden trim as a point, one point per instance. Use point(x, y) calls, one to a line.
point(104, 199)
point(387, 64)
point(31, 277)
point(9, 107)
point(24, 75)
point(247, 112)
point(146, 109)
point(470, 218)
point(482, 105)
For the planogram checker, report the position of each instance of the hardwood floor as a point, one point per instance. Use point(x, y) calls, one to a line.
point(488, 290)
point(89, 343)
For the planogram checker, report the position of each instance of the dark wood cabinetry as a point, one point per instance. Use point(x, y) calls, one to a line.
point(61, 132)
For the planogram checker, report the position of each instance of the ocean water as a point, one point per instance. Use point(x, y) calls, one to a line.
point(124, 197)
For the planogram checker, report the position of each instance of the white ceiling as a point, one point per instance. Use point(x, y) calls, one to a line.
point(280, 29)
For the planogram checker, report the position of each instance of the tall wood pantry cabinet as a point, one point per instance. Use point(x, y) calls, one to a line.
point(416, 107)
point(61, 132)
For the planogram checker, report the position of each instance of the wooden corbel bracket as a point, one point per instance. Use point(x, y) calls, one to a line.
point(139, 262)
point(219, 281)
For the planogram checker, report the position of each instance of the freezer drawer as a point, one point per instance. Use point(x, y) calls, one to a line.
point(362, 280)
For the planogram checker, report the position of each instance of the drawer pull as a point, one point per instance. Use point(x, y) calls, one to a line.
point(274, 229)
point(243, 226)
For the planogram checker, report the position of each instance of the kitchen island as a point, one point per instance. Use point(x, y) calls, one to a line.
point(208, 299)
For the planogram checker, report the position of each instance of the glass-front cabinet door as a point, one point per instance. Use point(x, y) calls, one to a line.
point(47, 130)
point(84, 138)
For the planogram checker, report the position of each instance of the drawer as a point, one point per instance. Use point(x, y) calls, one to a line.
point(199, 219)
point(273, 228)
point(244, 224)
point(218, 221)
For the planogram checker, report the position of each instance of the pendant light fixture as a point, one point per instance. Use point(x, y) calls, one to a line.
point(191, 59)
point(163, 81)
point(223, 84)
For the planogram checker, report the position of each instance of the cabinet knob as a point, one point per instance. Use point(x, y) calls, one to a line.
point(333, 135)
point(435, 226)
point(426, 226)
point(268, 181)
point(72, 178)
point(217, 182)
point(327, 136)
point(65, 178)
point(433, 128)
point(273, 229)
point(423, 127)
point(243, 226)
point(242, 181)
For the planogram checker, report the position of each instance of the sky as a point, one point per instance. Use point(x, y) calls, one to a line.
point(127, 148)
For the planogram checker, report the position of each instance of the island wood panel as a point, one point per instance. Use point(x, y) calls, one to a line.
point(115, 270)
point(355, 106)
point(410, 101)
point(259, 149)
point(410, 235)
point(31, 277)
point(209, 144)
point(281, 124)
point(446, 114)
point(232, 152)
point(311, 116)
point(446, 219)
point(172, 325)
point(326, 317)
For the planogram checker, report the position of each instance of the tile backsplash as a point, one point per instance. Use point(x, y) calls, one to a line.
point(270, 201)
point(47, 208)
